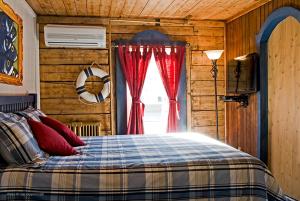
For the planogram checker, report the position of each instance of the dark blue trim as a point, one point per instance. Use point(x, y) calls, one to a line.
point(100, 97)
point(90, 71)
point(86, 71)
point(262, 97)
point(121, 101)
point(106, 80)
point(17, 103)
point(182, 99)
point(105, 77)
point(80, 91)
point(80, 88)
point(272, 21)
point(150, 37)
point(97, 98)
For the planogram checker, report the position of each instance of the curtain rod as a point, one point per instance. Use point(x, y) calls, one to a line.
point(156, 22)
point(187, 45)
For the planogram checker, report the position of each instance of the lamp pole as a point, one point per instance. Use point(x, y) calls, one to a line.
point(214, 72)
point(214, 55)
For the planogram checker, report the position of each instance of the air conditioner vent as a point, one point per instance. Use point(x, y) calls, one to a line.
point(75, 36)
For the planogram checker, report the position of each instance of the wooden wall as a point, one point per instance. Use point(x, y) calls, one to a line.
point(60, 67)
point(241, 123)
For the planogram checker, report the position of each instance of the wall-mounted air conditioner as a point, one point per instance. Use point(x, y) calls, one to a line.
point(75, 36)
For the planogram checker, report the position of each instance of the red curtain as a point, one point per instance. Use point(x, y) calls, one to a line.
point(134, 61)
point(169, 66)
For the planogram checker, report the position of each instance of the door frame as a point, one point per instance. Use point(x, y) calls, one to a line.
point(262, 96)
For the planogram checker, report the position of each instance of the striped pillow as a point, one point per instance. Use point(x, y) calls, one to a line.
point(2, 162)
point(32, 113)
point(17, 144)
point(3, 116)
point(9, 117)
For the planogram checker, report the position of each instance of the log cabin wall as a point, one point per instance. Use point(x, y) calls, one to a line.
point(60, 67)
point(241, 123)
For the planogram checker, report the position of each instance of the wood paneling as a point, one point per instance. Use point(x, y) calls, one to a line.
point(171, 30)
point(206, 118)
point(197, 24)
point(199, 58)
point(206, 88)
point(71, 6)
point(63, 73)
point(60, 67)
point(206, 103)
point(211, 131)
point(73, 106)
point(284, 105)
point(241, 123)
point(203, 73)
point(56, 89)
point(180, 9)
point(73, 56)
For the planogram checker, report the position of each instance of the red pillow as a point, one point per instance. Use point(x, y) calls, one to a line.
point(49, 140)
point(63, 130)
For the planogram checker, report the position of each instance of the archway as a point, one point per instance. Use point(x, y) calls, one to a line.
point(262, 46)
point(278, 100)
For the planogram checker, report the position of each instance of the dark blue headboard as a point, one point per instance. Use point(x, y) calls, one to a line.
point(17, 103)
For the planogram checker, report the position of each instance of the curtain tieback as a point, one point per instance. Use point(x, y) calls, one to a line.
point(174, 101)
point(140, 103)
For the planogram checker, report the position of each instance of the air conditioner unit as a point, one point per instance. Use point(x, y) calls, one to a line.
point(75, 36)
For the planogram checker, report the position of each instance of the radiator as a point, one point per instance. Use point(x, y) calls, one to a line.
point(85, 129)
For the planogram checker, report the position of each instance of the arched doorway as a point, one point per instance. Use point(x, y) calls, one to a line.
point(284, 105)
point(278, 100)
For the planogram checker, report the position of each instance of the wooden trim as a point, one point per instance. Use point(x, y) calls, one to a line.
point(104, 21)
point(17, 19)
point(225, 84)
point(188, 89)
point(112, 85)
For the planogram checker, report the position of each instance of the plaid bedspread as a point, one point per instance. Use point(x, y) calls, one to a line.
point(152, 167)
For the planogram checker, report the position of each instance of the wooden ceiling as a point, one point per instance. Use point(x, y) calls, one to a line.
point(180, 9)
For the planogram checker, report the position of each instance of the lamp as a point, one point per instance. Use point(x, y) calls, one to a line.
point(214, 55)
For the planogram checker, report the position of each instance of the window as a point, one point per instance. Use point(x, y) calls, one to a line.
point(155, 99)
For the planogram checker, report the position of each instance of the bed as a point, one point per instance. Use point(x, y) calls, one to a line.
point(183, 166)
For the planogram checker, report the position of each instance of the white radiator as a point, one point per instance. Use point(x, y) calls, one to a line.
point(85, 129)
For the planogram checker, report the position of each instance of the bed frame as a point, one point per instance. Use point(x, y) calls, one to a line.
point(17, 103)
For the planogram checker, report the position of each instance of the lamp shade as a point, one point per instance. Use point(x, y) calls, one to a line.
point(214, 54)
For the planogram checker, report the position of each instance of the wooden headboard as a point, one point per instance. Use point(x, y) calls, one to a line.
point(17, 103)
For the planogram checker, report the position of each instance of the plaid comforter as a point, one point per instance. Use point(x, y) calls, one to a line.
point(152, 167)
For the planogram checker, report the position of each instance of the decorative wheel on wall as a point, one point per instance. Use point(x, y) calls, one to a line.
point(80, 84)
